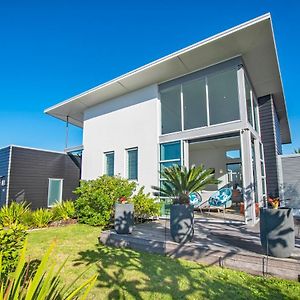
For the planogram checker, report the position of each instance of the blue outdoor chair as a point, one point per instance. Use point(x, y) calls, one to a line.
point(221, 199)
point(195, 199)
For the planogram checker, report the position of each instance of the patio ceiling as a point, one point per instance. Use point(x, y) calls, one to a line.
point(216, 144)
point(253, 40)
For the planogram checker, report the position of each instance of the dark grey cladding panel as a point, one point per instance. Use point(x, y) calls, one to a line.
point(30, 173)
point(269, 127)
point(291, 178)
point(4, 162)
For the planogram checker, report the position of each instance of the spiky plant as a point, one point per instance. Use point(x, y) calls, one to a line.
point(64, 210)
point(13, 213)
point(45, 283)
point(179, 182)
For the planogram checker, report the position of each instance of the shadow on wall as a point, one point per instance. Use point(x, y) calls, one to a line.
point(124, 273)
point(249, 203)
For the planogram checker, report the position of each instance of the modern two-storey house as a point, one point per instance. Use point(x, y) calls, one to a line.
point(219, 102)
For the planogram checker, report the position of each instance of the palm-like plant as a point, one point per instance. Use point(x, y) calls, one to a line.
point(179, 182)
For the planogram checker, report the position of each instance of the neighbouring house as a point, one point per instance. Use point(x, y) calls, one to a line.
point(39, 177)
point(219, 102)
point(289, 180)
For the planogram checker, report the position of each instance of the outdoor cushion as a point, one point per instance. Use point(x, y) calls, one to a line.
point(221, 198)
point(195, 199)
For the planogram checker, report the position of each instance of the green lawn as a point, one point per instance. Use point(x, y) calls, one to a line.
point(130, 274)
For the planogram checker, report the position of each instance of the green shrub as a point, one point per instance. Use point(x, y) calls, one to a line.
point(11, 242)
point(41, 217)
point(96, 198)
point(64, 210)
point(27, 219)
point(145, 206)
point(45, 283)
point(13, 213)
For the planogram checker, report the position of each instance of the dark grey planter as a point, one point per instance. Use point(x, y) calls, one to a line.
point(182, 222)
point(277, 233)
point(124, 218)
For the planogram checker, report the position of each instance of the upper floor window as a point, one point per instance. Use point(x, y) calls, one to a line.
point(199, 102)
point(252, 106)
point(223, 97)
point(132, 164)
point(171, 109)
point(194, 104)
point(109, 163)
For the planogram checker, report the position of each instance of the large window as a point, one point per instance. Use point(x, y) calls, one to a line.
point(171, 109)
point(223, 97)
point(109, 163)
point(55, 189)
point(132, 164)
point(184, 106)
point(194, 104)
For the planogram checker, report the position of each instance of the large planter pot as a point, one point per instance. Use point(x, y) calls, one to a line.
point(277, 233)
point(124, 218)
point(182, 222)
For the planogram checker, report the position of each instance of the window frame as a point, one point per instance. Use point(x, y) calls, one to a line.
point(105, 162)
point(161, 161)
point(128, 150)
point(61, 180)
point(253, 99)
point(204, 76)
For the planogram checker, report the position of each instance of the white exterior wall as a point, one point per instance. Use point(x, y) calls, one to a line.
point(118, 124)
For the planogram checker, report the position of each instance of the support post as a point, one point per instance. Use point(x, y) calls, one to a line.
point(186, 157)
point(248, 181)
point(67, 133)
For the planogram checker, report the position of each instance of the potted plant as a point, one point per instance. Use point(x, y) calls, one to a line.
point(178, 182)
point(277, 233)
point(124, 216)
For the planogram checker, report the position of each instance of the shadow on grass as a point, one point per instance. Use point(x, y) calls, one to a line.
point(127, 273)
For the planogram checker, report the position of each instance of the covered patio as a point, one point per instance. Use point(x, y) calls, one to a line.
point(238, 163)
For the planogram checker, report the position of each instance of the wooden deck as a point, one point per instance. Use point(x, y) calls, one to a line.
point(229, 245)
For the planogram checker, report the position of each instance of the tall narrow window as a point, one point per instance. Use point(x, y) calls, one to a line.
point(170, 154)
point(171, 109)
point(223, 97)
point(248, 101)
point(194, 104)
point(55, 189)
point(110, 163)
point(255, 114)
point(132, 164)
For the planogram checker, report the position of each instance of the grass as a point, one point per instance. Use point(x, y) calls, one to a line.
point(128, 274)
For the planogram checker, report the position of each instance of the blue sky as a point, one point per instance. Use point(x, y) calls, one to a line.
point(51, 50)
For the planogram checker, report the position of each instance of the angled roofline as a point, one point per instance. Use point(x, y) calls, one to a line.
point(172, 66)
point(167, 57)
